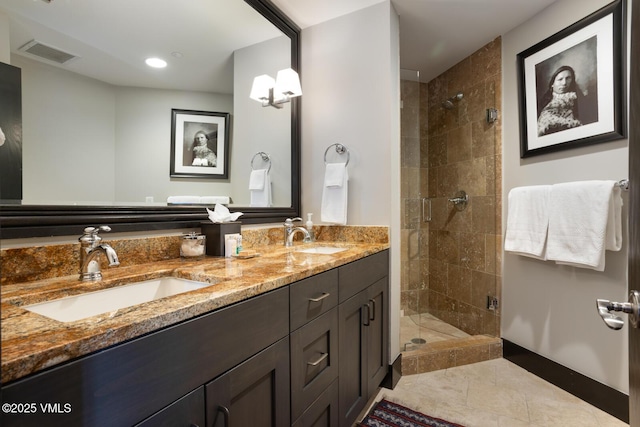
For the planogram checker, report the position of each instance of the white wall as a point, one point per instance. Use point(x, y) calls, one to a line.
point(5, 47)
point(252, 120)
point(547, 308)
point(143, 144)
point(350, 84)
point(73, 124)
point(68, 129)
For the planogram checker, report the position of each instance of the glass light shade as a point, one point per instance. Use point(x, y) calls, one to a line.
point(288, 83)
point(261, 86)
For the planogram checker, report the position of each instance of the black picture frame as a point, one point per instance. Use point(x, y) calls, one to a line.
point(199, 144)
point(591, 53)
point(10, 134)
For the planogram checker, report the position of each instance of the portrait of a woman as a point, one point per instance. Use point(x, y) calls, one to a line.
point(202, 154)
point(559, 107)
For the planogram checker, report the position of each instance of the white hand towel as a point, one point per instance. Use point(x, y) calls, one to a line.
point(528, 220)
point(585, 219)
point(335, 194)
point(260, 188)
point(257, 179)
point(334, 174)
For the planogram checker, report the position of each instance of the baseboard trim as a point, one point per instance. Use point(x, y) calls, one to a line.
point(591, 391)
point(394, 373)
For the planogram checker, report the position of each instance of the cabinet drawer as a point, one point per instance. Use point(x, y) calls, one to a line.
point(314, 360)
point(309, 298)
point(185, 412)
point(323, 412)
point(359, 275)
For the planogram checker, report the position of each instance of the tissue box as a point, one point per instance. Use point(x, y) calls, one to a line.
point(215, 233)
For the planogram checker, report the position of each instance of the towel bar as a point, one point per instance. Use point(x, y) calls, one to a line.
point(340, 149)
point(265, 158)
point(623, 184)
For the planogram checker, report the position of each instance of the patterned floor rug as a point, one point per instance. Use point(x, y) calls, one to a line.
point(389, 414)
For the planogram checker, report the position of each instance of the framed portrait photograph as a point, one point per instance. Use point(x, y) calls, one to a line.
point(199, 144)
point(571, 85)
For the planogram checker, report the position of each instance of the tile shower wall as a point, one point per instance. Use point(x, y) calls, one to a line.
point(451, 264)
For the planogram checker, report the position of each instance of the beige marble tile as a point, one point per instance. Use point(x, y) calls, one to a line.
point(560, 412)
point(494, 393)
point(506, 402)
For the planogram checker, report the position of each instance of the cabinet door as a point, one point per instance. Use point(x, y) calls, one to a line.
point(377, 331)
point(185, 412)
point(352, 376)
point(254, 393)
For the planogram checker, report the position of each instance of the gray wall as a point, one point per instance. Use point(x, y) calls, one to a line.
point(351, 95)
point(547, 308)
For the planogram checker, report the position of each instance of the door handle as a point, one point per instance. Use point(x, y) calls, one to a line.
point(606, 307)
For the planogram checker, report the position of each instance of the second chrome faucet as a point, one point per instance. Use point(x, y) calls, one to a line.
point(290, 230)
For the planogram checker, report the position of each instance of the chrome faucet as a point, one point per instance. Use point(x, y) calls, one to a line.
point(90, 247)
point(290, 231)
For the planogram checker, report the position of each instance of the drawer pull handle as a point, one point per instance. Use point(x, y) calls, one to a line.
point(319, 360)
point(225, 415)
point(321, 297)
point(373, 310)
point(367, 317)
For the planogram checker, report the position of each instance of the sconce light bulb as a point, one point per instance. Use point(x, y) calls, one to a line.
point(156, 62)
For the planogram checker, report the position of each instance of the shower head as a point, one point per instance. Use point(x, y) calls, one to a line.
point(449, 103)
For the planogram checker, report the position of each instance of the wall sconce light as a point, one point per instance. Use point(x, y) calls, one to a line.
point(276, 92)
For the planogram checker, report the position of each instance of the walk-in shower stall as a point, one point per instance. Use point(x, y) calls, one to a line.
point(451, 231)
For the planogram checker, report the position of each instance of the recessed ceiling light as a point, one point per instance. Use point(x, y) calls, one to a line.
point(156, 62)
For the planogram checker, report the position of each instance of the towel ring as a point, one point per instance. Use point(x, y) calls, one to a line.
point(340, 149)
point(265, 158)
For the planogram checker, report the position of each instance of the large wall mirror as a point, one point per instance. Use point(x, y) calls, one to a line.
point(97, 130)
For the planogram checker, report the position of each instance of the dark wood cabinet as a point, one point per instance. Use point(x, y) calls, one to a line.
point(127, 383)
point(363, 329)
point(310, 354)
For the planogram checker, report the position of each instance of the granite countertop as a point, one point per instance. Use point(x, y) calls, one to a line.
point(31, 342)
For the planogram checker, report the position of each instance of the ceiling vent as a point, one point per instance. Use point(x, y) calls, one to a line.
point(49, 53)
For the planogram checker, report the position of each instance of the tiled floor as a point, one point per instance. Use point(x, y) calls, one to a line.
point(495, 393)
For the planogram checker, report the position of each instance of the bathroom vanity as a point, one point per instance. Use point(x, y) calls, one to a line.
point(305, 345)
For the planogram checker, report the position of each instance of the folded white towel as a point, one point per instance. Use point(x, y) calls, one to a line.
point(198, 200)
point(260, 188)
point(585, 219)
point(257, 179)
point(214, 200)
point(527, 220)
point(335, 194)
point(334, 174)
point(189, 200)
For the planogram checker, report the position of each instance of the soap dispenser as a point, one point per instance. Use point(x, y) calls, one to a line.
point(309, 226)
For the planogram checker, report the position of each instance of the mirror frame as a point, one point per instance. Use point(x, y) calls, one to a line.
point(18, 221)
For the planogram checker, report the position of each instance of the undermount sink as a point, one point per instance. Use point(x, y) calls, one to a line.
point(323, 250)
point(90, 304)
